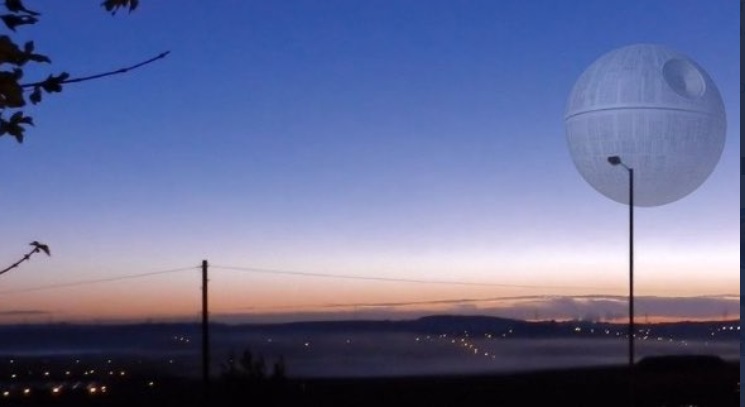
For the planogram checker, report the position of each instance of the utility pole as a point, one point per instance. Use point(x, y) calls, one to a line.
point(205, 336)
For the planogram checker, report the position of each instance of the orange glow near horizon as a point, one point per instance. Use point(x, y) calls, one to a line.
point(521, 292)
point(132, 301)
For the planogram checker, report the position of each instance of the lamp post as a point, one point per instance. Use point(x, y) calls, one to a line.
point(616, 160)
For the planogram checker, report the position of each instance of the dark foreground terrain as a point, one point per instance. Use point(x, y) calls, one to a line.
point(691, 381)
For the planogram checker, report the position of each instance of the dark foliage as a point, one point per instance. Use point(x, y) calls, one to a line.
point(250, 369)
point(14, 57)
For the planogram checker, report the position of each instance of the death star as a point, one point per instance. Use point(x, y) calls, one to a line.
point(655, 108)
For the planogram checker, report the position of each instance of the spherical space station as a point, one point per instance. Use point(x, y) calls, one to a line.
point(657, 110)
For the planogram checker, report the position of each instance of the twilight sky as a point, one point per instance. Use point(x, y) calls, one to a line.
point(417, 140)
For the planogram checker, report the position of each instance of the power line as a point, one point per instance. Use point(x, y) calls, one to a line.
point(450, 301)
point(395, 304)
point(94, 281)
point(398, 280)
point(342, 277)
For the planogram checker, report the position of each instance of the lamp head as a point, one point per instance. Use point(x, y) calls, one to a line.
point(614, 160)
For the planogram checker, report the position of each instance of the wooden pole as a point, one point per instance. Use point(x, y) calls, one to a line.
point(205, 336)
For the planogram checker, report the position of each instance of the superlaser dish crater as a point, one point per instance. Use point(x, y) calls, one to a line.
point(656, 109)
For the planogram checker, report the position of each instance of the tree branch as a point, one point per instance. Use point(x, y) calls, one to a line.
point(24, 258)
point(102, 75)
point(37, 248)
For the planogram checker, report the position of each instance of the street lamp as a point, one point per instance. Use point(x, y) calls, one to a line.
point(616, 160)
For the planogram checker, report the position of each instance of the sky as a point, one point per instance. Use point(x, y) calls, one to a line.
point(413, 149)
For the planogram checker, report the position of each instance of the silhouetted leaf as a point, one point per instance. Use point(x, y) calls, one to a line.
point(35, 96)
point(12, 54)
point(16, 6)
point(28, 50)
point(19, 118)
point(39, 58)
point(17, 132)
point(9, 51)
point(12, 21)
point(113, 6)
point(12, 128)
point(53, 84)
point(40, 246)
point(11, 93)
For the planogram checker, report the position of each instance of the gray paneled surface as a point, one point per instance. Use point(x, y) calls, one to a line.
point(656, 109)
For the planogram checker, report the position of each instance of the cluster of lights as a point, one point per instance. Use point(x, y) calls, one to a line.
point(724, 329)
point(181, 339)
point(472, 348)
point(489, 336)
point(92, 389)
point(593, 331)
point(644, 334)
point(466, 343)
point(52, 382)
point(55, 390)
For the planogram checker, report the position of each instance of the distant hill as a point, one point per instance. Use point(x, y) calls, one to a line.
point(481, 325)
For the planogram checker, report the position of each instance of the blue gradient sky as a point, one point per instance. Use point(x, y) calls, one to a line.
point(418, 139)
